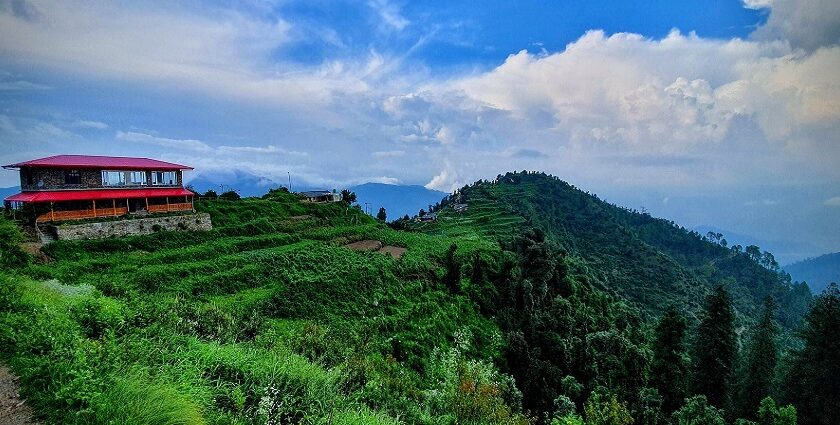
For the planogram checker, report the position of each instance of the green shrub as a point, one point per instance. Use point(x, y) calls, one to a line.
point(132, 401)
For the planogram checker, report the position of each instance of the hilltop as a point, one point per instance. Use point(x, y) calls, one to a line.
point(650, 261)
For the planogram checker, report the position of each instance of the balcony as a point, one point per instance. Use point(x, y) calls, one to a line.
point(107, 212)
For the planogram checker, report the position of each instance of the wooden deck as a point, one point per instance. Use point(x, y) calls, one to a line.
point(106, 212)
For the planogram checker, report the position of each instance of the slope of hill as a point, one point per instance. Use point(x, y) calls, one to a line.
point(652, 262)
point(398, 200)
point(488, 317)
point(271, 315)
point(818, 272)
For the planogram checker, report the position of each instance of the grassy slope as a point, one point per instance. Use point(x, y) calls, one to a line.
point(266, 315)
point(650, 261)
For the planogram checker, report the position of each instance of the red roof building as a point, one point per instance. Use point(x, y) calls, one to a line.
point(72, 187)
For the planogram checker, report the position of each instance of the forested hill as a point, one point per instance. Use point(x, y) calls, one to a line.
point(817, 272)
point(651, 261)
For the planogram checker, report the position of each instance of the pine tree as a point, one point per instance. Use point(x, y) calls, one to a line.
point(669, 371)
point(813, 381)
point(381, 215)
point(714, 349)
point(452, 278)
point(759, 366)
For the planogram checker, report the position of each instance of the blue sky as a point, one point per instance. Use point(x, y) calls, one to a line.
point(716, 112)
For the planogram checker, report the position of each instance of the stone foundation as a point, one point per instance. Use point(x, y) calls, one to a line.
point(129, 227)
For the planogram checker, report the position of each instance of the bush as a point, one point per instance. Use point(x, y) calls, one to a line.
point(11, 256)
point(697, 411)
point(132, 401)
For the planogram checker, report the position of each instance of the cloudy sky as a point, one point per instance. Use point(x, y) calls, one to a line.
point(706, 112)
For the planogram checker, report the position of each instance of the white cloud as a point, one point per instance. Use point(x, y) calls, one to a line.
point(445, 181)
point(388, 154)
point(267, 150)
point(96, 125)
point(833, 202)
point(185, 144)
point(390, 14)
point(19, 85)
point(808, 24)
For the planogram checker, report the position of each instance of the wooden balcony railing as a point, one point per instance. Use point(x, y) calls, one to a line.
point(106, 212)
point(170, 207)
point(81, 214)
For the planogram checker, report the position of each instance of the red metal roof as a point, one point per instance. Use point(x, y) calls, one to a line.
point(87, 195)
point(105, 162)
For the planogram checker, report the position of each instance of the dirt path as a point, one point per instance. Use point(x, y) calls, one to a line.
point(13, 410)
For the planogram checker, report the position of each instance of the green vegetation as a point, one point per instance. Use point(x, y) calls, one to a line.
point(512, 312)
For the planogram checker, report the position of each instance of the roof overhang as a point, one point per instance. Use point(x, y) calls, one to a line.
point(90, 195)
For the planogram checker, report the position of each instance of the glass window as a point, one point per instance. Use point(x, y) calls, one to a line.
point(72, 177)
point(136, 177)
point(113, 178)
point(164, 178)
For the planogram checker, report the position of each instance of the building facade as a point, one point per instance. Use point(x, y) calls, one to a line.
point(73, 187)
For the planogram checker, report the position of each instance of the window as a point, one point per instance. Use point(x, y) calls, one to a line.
point(164, 178)
point(136, 178)
point(123, 178)
point(72, 177)
point(113, 178)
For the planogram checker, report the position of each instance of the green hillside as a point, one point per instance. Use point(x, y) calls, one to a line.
point(538, 305)
point(650, 261)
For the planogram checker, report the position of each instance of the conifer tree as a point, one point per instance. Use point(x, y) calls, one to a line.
point(452, 278)
point(813, 381)
point(759, 365)
point(714, 349)
point(669, 371)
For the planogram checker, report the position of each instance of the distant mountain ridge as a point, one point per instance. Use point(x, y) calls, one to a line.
point(8, 191)
point(398, 200)
point(786, 252)
point(818, 272)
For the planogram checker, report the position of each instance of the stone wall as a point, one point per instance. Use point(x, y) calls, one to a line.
point(135, 226)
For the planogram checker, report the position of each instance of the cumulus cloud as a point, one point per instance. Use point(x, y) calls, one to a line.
point(445, 181)
point(809, 24)
point(609, 109)
point(833, 202)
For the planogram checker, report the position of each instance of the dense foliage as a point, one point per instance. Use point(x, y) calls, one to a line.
point(508, 313)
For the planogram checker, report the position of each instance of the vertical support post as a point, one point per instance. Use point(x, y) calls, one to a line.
point(192, 202)
point(147, 203)
point(114, 204)
point(94, 207)
point(167, 204)
point(52, 212)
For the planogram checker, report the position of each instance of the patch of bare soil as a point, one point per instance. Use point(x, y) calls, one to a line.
point(13, 410)
point(377, 246)
point(394, 251)
point(365, 245)
point(34, 249)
